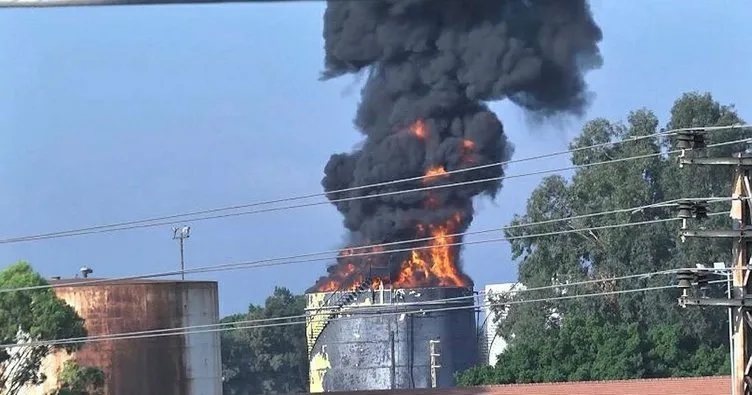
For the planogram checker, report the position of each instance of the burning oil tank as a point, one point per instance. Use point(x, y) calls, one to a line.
point(176, 364)
point(389, 338)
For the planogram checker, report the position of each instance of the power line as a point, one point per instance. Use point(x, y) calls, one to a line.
point(172, 219)
point(436, 301)
point(170, 331)
point(323, 194)
point(121, 3)
point(298, 258)
point(307, 258)
point(229, 326)
point(222, 327)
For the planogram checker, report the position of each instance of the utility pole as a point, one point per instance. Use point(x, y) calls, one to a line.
point(740, 302)
point(434, 352)
point(181, 233)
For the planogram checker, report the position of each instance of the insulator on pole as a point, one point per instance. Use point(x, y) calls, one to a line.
point(699, 141)
point(684, 141)
point(691, 139)
point(702, 280)
point(701, 209)
point(692, 209)
point(684, 279)
point(686, 209)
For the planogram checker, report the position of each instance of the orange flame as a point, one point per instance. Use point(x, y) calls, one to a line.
point(333, 284)
point(419, 129)
point(467, 151)
point(433, 264)
point(430, 265)
point(434, 172)
point(436, 262)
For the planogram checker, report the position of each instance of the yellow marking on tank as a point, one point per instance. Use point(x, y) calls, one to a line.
point(316, 321)
point(318, 368)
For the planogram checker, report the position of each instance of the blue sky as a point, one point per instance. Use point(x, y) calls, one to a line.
point(114, 114)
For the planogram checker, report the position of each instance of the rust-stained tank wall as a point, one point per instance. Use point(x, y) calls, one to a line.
point(180, 365)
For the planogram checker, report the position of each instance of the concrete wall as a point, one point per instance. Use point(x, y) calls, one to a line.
point(177, 364)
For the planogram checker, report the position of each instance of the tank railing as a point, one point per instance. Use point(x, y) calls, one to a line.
point(345, 298)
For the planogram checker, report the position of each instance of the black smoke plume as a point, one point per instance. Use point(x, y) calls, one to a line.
point(439, 61)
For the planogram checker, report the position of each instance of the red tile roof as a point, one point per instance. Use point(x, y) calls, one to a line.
point(672, 386)
point(719, 385)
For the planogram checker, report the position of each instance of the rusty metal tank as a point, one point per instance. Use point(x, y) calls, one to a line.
point(389, 338)
point(167, 365)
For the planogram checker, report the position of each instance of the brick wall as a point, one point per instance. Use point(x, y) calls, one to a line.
point(720, 385)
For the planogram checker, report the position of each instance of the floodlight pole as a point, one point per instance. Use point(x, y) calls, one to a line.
point(180, 234)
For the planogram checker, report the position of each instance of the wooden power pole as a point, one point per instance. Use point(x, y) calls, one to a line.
point(740, 300)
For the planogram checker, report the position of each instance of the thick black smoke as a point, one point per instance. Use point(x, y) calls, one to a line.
point(439, 61)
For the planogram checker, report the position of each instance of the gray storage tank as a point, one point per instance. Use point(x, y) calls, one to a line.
point(389, 338)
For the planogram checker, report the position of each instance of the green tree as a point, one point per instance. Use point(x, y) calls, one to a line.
point(32, 315)
point(74, 379)
point(266, 360)
point(627, 335)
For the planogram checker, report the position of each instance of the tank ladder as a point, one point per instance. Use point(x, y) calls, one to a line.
point(343, 298)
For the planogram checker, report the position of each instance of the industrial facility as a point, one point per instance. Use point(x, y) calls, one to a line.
point(389, 338)
point(187, 364)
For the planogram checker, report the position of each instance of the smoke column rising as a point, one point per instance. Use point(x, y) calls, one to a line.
point(431, 65)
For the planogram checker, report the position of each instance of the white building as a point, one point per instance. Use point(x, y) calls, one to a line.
point(491, 344)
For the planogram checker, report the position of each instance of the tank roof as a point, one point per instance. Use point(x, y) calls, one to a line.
point(98, 281)
point(388, 289)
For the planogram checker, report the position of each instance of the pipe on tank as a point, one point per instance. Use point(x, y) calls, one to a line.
point(392, 366)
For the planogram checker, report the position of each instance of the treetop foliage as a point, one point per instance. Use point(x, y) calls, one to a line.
point(31, 316)
point(266, 360)
point(619, 336)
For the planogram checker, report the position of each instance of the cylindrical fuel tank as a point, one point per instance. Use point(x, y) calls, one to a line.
point(390, 338)
point(187, 364)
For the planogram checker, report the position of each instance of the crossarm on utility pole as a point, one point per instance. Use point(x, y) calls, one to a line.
point(692, 146)
point(740, 212)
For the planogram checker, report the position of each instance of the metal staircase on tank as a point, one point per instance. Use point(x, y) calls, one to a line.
point(342, 298)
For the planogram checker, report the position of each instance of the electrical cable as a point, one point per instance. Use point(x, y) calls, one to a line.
point(298, 258)
point(234, 325)
point(436, 301)
point(558, 287)
point(125, 3)
point(570, 231)
point(172, 219)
